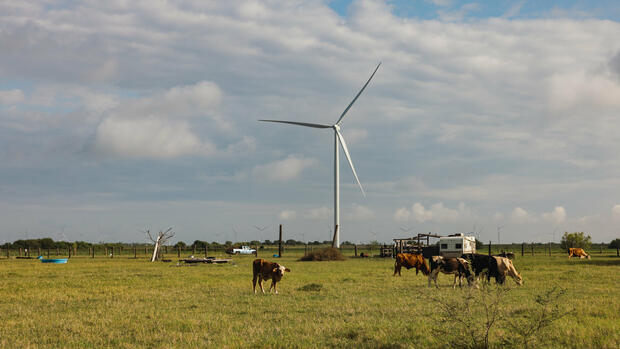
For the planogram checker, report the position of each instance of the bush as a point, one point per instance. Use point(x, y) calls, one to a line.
point(325, 254)
point(575, 240)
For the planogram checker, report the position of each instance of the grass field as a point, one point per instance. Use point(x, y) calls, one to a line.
point(124, 302)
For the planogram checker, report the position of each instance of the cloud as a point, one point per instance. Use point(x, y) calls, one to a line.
point(159, 126)
point(360, 212)
point(288, 215)
point(319, 213)
point(283, 170)
point(10, 97)
point(519, 215)
point(615, 212)
point(148, 137)
point(436, 213)
point(557, 216)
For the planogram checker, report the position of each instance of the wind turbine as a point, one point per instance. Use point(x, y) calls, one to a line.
point(338, 139)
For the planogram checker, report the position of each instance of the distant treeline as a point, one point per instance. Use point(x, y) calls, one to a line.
point(45, 243)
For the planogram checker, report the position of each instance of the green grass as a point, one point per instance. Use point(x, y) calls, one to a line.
point(123, 302)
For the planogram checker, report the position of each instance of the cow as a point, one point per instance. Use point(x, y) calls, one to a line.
point(409, 261)
point(509, 255)
point(577, 252)
point(264, 270)
point(506, 268)
point(482, 263)
point(457, 266)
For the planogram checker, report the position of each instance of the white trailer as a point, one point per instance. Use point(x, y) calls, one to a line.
point(456, 245)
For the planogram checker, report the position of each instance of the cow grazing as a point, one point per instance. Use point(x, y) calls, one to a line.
point(457, 266)
point(409, 261)
point(482, 263)
point(577, 252)
point(264, 270)
point(509, 255)
point(506, 268)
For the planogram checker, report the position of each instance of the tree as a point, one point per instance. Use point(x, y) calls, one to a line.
point(615, 243)
point(479, 244)
point(161, 239)
point(579, 239)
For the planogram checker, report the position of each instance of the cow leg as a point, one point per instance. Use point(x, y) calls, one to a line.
point(275, 286)
point(454, 283)
point(433, 276)
point(254, 283)
point(416, 270)
point(260, 283)
point(396, 269)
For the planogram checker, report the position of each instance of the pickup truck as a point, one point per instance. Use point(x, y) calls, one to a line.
point(243, 250)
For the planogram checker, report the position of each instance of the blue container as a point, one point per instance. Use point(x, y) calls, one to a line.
point(55, 260)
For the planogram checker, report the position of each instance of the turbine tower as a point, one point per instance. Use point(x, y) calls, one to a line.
point(338, 139)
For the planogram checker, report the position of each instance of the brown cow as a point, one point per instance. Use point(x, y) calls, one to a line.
point(264, 270)
point(506, 268)
point(577, 252)
point(409, 261)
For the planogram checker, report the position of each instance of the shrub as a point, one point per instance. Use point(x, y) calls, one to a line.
point(325, 254)
point(580, 240)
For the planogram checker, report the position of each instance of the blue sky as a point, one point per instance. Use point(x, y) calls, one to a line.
point(116, 118)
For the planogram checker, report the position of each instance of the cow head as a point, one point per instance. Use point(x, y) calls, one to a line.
point(279, 270)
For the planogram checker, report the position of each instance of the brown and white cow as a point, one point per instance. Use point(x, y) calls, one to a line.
point(577, 252)
point(457, 266)
point(264, 270)
point(409, 261)
point(506, 268)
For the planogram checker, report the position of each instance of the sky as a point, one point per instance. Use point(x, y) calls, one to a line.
point(485, 117)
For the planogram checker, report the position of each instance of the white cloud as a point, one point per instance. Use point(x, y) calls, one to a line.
point(519, 215)
point(557, 216)
point(319, 213)
point(360, 212)
point(158, 126)
point(615, 212)
point(288, 215)
point(436, 213)
point(283, 170)
point(148, 137)
point(10, 97)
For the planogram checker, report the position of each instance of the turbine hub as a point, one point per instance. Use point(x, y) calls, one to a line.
point(337, 127)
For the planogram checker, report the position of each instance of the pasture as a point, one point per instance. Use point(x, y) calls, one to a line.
point(125, 302)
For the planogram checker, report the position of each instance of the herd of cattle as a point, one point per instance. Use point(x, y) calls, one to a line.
point(469, 266)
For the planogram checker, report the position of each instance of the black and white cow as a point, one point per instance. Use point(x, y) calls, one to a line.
point(482, 263)
point(457, 266)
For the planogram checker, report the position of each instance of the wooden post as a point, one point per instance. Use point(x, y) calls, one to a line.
point(522, 248)
point(489, 247)
point(106, 251)
point(532, 248)
point(194, 250)
point(601, 247)
point(112, 254)
point(135, 252)
point(8, 253)
point(38, 251)
point(617, 252)
point(48, 253)
point(27, 251)
point(280, 243)
point(549, 249)
point(179, 251)
point(205, 250)
point(306, 250)
point(20, 252)
point(145, 251)
point(355, 246)
point(120, 252)
point(69, 252)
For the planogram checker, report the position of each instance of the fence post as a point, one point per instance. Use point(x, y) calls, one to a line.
point(38, 251)
point(601, 247)
point(280, 243)
point(205, 250)
point(112, 254)
point(8, 253)
point(179, 251)
point(69, 249)
point(93, 251)
point(532, 248)
point(522, 248)
point(135, 252)
point(355, 246)
point(489, 247)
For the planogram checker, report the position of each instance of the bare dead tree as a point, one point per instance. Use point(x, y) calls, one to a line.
point(162, 238)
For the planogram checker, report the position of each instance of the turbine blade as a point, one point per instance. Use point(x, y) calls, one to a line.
point(358, 94)
point(298, 123)
point(346, 152)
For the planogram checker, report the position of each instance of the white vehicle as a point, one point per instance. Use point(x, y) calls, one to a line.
point(243, 250)
point(456, 245)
